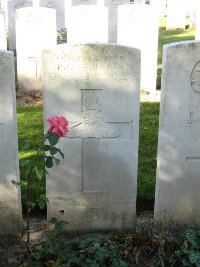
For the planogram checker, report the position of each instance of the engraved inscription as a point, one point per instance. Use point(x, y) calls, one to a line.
point(192, 159)
point(36, 68)
point(195, 78)
point(51, 4)
point(19, 4)
point(34, 20)
point(192, 119)
point(3, 205)
point(93, 123)
point(2, 132)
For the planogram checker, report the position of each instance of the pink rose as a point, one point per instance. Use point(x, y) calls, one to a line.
point(58, 125)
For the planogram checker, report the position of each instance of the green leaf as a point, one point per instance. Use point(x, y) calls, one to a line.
point(61, 153)
point(24, 162)
point(191, 237)
point(26, 146)
point(57, 162)
point(46, 147)
point(49, 162)
point(53, 139)
point(194, 256)
point(41, 204)
point(31, 204)
point(44, 198)
point(16, 183)
point(59, 226)
point(39, 173)
point(53, 150)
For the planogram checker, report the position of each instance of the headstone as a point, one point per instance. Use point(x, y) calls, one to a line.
point(87, 24)
point(59, 5)
point(71, 3)
point(178, 160)
point(38, 25)
point(10, 205)
point(197, 21)
point(96, 87)
point(113, 6)
point(139, 2)
point(83, 2)
point(3, 36)
point(13, 5)
point(138, 27)
point(176, 20)
point(160, 6)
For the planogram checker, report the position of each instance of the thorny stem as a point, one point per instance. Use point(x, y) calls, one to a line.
point(28, 214)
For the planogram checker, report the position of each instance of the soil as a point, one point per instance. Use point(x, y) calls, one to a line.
point(34, 99)
point(12, 248)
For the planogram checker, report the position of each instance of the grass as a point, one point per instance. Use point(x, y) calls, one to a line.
point(30, 125)
point(149, 119)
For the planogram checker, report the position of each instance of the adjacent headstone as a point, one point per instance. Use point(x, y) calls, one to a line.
point(87, 24)
point(38, 25)
point(96, 87)
point(71, 3)
point(10, 204)
point(13, 5)
point(178, 160)
point(59, 5)
point(139, 2)
point(3, 35)
point(176, 20)
point(113, 6)
point(83, 2)
point(138, 27)
point(197, 21)
point(160, 6)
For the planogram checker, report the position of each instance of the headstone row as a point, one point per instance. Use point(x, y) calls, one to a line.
point(96, 86)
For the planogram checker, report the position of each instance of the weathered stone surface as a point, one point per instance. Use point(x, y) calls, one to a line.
point(36, 24)
point(59, 5)
point(96, 87)
point(176, 20)
point(178, 165)
point(3, 35)
point(10, 206)
point(87, 24)
point(13, 5)
point(113, 6)
point(135, 22)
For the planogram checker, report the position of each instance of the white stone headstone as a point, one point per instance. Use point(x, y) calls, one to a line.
point(160, 6)
point(87, 24)
point(178, 160)
point(138, 27)
point(59, 5)
point(13, 5)
point(197, 21)
point(139, 2)
point(113, 17)
point(96, 87)
point(10, 199)
point(176, 14)
point(83, 2)
point(3, 35)
point(38, 25)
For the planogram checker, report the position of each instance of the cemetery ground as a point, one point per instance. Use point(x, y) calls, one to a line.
point(150, 244)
